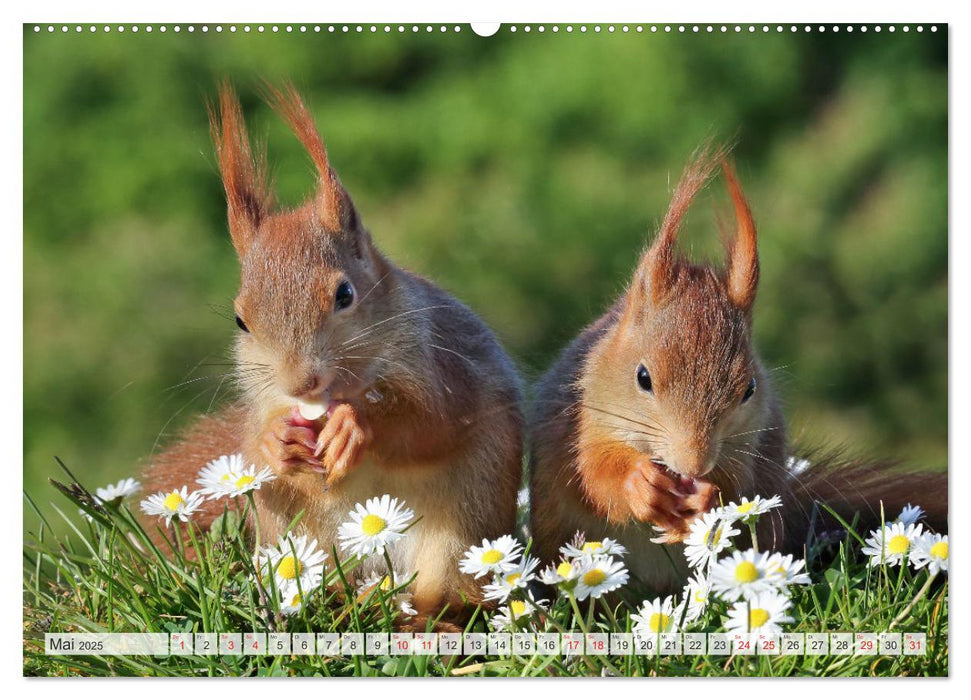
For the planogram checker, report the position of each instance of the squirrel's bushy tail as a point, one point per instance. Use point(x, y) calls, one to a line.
point(867, 491)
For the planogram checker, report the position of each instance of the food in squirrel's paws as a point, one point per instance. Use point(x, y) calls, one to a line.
point(311, 411)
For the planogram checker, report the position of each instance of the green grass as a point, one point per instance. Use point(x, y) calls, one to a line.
point(107, 576)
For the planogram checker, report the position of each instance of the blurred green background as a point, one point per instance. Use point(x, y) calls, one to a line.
point(522, 172)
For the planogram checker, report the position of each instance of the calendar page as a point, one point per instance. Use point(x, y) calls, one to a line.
point(522, 349)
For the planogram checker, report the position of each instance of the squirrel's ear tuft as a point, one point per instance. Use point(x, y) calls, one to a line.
point(334, 207)
point(249, 196)
point(743, 256)
point(655, 271)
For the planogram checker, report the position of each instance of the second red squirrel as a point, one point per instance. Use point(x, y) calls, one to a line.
point(357, 378)
point(662, 406)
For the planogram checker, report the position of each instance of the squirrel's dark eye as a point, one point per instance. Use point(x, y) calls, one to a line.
point(749, 390)
point(644, 379)
point(344, 296)
point(242, 326)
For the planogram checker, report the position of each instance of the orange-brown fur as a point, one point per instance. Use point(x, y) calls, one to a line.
point(179, 465)
point(424, 401)
point(594, 431)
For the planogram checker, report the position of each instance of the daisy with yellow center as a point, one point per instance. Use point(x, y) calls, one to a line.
point(764, 613)
point(292, 598)
point(498, 556)
point(390, 586)
point(504, 584)
point(709, 535)
point(293, 560)
point(375, 526)
point(748, 509)
point(744, 575)
point(228, 477)
point(514, 615)
point(656, 617)
point(789, 569)
point(696, 595)
point(892, 544)
point(598, 575)
point(930, 550)
point(175, 504)
point(581, 547)
point(564, 574)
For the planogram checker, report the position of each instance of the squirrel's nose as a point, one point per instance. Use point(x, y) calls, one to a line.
point(311, 386)
point(693, 458)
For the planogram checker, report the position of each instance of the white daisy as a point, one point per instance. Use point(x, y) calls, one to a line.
point(763, 613)
point(696, 596)
point(744, 575)
point(293, 559)
point(564, 572)
point(291, 599)
point(228, 476)
point(790, 570)
point(910, 514)
point(375, 526)
point(656, 617)
point(892, 544)
point(579, 547)
point(930, 550)
point(113, 493)
point(513, 615)
point(496, 557)
point(709, 535)
point(401, 599)
point(179, 503)
point(598, 575)
point(748, 509)
point(504, 584)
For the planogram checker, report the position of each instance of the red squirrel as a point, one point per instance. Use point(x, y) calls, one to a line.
point(417, 399)
point(662, 407)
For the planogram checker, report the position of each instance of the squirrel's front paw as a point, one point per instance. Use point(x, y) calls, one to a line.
point(690, 507)
point(657, 498)
point(289, 447)
point(653, 496)
point(342, 441)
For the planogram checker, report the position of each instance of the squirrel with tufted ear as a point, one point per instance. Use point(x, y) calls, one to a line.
point(662, 407)
point(357, 378)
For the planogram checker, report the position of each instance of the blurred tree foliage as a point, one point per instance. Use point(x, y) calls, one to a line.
point(522, 172)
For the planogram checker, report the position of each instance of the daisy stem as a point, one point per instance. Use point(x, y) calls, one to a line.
point(614, 625)
point(576, 612)
point(391, 586)
point(593, 604)
point(900, 577)
point(920, 594)
point(755, 539)
point(256, 520)
point(179, 546)
point(387, 561)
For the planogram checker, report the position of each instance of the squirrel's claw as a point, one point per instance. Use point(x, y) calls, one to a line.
point(289, 449)
point(342, 442)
